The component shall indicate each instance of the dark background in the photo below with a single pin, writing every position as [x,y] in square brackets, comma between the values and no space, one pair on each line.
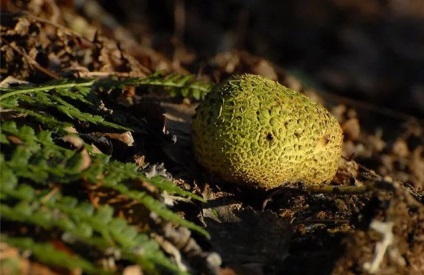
[367,50]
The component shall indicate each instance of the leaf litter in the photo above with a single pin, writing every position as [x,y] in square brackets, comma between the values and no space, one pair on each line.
[379,231]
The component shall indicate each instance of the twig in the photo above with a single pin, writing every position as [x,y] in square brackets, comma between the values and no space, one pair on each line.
[33,63]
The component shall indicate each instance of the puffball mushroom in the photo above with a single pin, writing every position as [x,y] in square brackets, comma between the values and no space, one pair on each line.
[253,131]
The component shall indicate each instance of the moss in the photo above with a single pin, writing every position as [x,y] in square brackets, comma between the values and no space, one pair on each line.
[252,130]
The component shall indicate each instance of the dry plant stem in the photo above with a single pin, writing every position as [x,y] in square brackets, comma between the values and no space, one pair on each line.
[378,182]
[319,189]
[56,25]
[325,189]
[103,74]
[373,182]
[34,63]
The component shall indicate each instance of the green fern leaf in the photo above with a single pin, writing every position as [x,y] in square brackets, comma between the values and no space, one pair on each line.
[41,179]
[47,254]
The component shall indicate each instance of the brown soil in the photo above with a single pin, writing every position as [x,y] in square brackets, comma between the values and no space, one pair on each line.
[362,59]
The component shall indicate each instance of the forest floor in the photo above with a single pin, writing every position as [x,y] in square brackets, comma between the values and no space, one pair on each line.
[297,231]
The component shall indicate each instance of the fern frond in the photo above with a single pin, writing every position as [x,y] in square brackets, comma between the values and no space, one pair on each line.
[156,207]
[174,84]
[61,85]
[46,253]
[40,180]
[88,226]
[64,166]
[36,158]
[54,96]
[165,185]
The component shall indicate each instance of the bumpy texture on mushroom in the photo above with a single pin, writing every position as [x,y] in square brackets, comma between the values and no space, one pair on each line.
[252,130]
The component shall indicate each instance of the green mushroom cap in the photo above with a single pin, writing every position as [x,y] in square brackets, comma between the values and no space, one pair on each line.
[254,131]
